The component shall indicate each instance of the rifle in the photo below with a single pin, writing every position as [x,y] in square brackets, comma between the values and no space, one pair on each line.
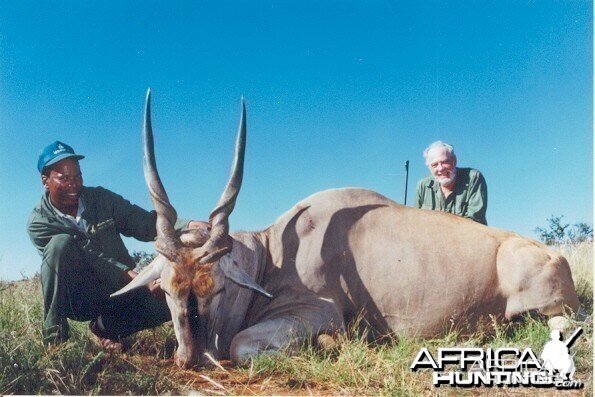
[406,180]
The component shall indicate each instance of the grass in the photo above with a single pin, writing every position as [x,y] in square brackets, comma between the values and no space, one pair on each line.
[580,257]
[356,367]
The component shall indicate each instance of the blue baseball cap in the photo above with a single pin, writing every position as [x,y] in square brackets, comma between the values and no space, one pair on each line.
[55,152]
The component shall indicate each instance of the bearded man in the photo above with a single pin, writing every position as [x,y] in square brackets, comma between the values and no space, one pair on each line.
[76,230]
[460,191]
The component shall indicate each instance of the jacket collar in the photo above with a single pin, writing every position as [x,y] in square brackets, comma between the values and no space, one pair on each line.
[48,211]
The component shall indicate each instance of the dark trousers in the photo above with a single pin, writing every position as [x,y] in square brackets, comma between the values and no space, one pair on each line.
[73,288]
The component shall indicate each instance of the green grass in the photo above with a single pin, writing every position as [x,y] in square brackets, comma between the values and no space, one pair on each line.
[78,366]
[356,367]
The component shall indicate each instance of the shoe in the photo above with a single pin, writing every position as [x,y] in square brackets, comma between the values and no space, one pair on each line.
[107,344]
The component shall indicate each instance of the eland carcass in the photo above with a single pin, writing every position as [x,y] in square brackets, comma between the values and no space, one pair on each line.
[334,256]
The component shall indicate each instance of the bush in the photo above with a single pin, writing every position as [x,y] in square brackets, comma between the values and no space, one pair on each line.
[142,259]
[557,233]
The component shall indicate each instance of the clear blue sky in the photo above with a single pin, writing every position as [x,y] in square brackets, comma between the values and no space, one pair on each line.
[338,94]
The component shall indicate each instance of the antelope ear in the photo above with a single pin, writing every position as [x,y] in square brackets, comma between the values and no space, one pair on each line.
[149,274]
[232,271]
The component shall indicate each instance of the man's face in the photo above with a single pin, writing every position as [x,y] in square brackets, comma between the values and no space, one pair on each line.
[64,183]
[442,166]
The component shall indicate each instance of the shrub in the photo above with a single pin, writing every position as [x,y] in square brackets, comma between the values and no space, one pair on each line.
[557,233]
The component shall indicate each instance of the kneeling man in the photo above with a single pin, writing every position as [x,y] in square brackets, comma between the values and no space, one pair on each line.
[76,230]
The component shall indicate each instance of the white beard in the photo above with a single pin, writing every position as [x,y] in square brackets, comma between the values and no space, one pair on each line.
[443,180]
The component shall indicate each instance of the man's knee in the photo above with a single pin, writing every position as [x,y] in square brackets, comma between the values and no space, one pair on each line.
[61,246]
[61,250]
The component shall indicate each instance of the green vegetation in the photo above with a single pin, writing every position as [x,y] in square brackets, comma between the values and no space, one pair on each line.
[356,367]
[142,259]
[557,232]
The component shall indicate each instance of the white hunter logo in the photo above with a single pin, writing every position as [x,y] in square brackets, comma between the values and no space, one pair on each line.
[60,149]
[504,366]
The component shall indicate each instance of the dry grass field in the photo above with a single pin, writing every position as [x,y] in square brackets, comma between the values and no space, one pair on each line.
[355,368]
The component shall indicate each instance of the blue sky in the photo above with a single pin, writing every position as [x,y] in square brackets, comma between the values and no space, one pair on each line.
[338,94]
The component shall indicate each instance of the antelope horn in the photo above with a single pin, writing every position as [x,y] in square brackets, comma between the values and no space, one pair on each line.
[149,274]
[166,214]
[218,244]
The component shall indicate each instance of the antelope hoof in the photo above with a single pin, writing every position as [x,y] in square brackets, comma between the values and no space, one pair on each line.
[183,362]
[326,342]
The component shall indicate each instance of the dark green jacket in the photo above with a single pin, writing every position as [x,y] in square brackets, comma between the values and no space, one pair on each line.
[108,215]
[468,199]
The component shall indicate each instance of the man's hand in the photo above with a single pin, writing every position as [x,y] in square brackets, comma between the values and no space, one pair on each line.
[155,289]
[129,275]
[154,286]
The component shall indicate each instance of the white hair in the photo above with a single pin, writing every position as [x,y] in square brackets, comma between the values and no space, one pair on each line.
[439,145]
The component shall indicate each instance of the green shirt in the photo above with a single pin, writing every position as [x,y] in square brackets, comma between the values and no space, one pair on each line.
[107,215]
[469,198]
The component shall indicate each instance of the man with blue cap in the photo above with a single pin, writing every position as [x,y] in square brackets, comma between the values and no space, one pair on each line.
[76,230]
